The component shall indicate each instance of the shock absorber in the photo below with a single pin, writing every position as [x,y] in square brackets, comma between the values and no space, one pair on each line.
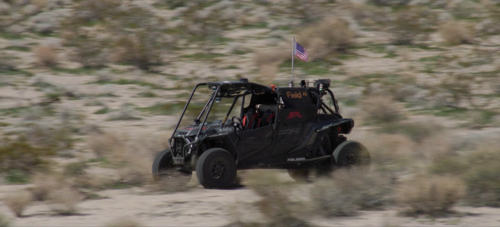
[321,149]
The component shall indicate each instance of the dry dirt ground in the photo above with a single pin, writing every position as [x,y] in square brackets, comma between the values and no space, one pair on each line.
[355,78]
[201,207]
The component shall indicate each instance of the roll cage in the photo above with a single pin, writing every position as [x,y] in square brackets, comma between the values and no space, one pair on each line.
[283,98]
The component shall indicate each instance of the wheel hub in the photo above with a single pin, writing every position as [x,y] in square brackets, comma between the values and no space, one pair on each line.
[217,170]
[351,159]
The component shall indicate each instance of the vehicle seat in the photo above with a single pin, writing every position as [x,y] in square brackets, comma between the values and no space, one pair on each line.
[267,118]
[250,119]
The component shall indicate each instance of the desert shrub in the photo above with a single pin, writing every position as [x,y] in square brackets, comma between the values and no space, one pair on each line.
[124,222]
[43,185]
[19,154]
[430,195]
[63,201]
[367,14]
[305,10]
[104,145]
[417,131]
[350,191]
[329,36]
[46,55]
[4,222]
[88,50]
[449,165]
[86,11]
[483,187]
[54,138]
[171,4]
[455,33]
[390,2]
[381,109]
[18,201]
[390,154]
[456,90]
[125,113]
[275,201]
[142,49]
[270,57]
[205,24]
[410,24]
[75,169]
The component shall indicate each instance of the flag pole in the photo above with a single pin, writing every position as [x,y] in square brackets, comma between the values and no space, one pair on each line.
[293,56]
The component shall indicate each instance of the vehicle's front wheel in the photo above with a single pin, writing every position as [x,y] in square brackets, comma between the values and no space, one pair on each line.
[351,154]
[216,168]
[164,169]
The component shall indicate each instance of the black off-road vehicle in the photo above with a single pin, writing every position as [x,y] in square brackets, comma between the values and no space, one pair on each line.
[279,127]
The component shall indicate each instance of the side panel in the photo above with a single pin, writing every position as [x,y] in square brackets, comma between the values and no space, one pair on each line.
[256,145]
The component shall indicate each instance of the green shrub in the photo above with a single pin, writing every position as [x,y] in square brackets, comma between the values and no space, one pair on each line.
[20,155]
[483,186]
[75,169]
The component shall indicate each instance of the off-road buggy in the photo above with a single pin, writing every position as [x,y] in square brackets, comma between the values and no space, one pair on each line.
[289,128]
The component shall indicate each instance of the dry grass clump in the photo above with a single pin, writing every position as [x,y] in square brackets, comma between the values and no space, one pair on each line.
[275,204]
[270,57]
[63,201]
[390,154]
[430,195]
[483,186]
[350,191]
[455,33]
[46,55]
[381,109]
[18,201]
[133,157]
[329,36]
[44,184]
[103,145]
[142,49]
[417,131]
[367,14]
[124,222]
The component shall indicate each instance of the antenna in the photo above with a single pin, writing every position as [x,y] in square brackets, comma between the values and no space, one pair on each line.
[293,56]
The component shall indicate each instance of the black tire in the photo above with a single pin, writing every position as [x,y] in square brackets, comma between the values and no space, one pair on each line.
[164,169]
[216,168]
[351,154]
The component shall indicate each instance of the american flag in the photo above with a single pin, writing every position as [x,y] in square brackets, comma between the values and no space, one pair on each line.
[300,52]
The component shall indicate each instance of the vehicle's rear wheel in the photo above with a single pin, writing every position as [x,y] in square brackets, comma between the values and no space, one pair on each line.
[351,154]
[164,169]
[216,168]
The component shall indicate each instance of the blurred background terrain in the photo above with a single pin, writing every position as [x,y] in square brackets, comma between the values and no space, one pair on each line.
[90,91]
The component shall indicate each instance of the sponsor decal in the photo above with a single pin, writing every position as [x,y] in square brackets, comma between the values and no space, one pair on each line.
[294,114]
[296,159]
[295,95]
